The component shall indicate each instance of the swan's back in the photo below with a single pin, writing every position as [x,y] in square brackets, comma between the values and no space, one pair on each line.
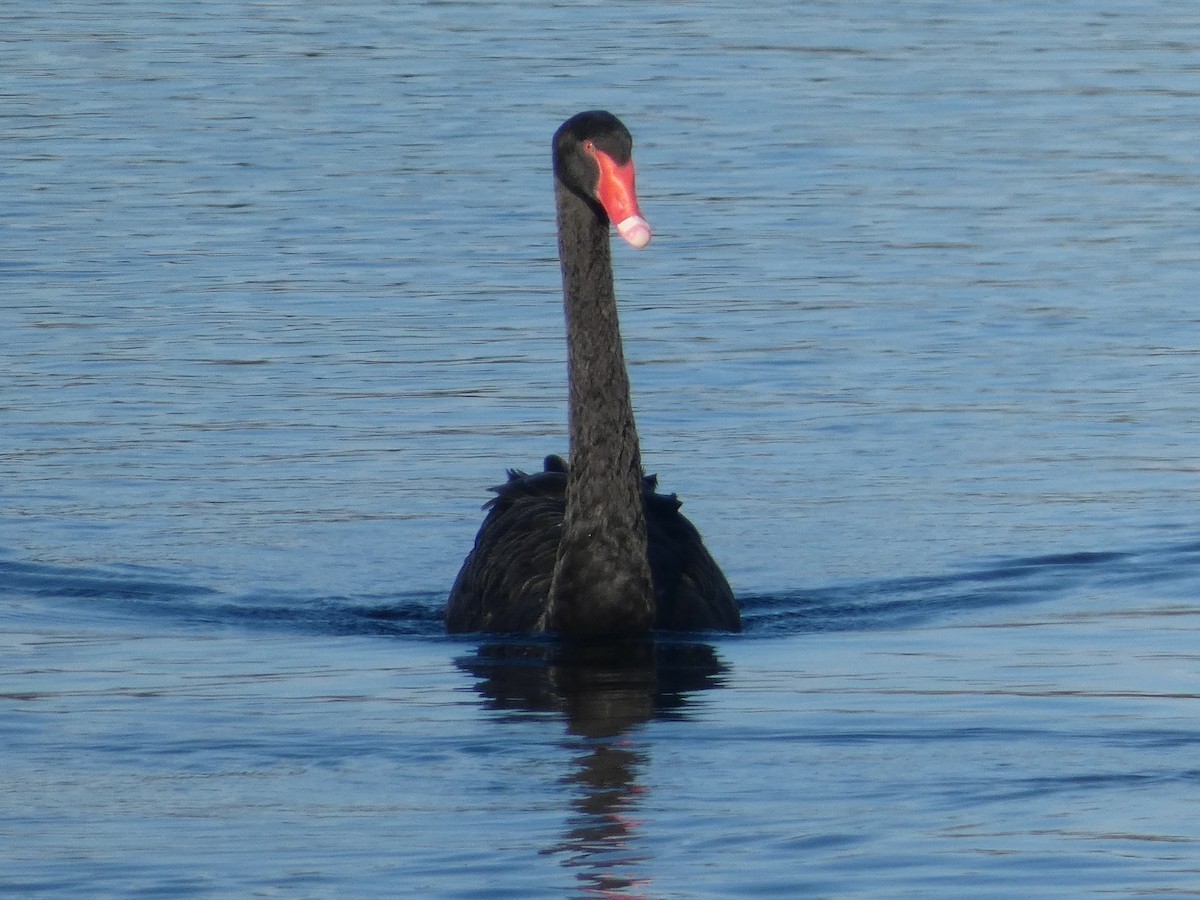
[504,584]
[690,589]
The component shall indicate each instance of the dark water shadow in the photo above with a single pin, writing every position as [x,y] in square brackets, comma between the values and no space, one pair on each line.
[603,693]
[600,690]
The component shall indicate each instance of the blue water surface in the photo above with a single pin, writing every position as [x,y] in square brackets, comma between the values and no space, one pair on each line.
[916,342]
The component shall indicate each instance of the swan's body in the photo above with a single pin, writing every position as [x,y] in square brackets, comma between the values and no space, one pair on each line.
[590,550]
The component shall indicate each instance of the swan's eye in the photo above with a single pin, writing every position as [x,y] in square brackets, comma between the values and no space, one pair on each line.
[589,148]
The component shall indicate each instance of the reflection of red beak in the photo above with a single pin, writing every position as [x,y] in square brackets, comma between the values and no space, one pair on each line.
[616,194]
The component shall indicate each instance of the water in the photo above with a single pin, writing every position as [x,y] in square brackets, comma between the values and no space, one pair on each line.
[916,343]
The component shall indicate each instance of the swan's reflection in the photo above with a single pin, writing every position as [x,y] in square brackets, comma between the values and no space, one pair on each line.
[602,691]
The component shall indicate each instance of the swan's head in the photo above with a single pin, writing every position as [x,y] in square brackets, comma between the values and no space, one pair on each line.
[593,157]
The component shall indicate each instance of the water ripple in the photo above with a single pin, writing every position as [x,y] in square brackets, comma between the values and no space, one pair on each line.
[858,606]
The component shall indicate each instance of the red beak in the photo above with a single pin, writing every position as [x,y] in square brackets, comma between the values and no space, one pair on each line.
[616,194]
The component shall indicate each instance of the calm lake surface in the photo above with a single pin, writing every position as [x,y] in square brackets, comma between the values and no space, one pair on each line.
[917,343]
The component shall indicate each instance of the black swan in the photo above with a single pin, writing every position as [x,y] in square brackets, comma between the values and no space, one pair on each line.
[590,550]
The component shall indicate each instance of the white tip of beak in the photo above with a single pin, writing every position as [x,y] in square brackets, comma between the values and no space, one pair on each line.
[636,231]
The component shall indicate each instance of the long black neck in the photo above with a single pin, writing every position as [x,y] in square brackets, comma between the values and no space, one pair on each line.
[601,583]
